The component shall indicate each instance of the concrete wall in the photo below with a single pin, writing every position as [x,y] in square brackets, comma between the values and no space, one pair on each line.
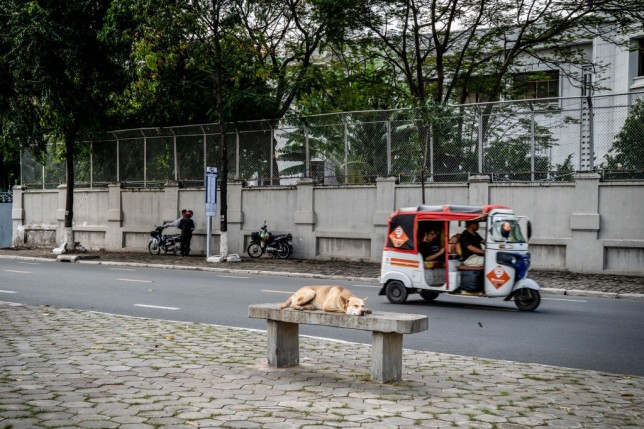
[586,226]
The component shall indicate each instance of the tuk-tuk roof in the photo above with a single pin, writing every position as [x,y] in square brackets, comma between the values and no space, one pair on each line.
[447,212]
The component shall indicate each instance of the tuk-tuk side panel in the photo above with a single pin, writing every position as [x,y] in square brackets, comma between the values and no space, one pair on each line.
[401,234]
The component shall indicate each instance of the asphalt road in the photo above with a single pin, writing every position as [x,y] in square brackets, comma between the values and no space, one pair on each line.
[577,332]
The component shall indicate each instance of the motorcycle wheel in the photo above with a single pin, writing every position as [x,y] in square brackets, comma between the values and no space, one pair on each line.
[254,250]
[527,299]
[153,247]
[284,251]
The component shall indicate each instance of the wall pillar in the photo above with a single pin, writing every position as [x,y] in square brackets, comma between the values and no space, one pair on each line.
[18,217]
[60,215]
[114,233]
[236,242]
[479,190]
[170,210]
[385,205]
[585,253]
[304,239]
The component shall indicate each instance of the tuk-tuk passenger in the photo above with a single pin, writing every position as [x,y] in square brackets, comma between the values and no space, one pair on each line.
[471,245]
[430,248]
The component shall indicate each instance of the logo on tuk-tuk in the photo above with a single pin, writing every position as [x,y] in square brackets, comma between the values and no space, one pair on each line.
[398,236]
[498,277]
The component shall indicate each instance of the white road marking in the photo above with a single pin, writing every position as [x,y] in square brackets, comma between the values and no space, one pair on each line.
[123,269]
[20,272]
[276,291]
[561,299]
[30,263]
[371,286]
[136,281]
[234,277]
[156,306]
[8,291]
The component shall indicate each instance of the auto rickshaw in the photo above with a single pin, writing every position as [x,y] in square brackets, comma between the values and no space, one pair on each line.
[506,257]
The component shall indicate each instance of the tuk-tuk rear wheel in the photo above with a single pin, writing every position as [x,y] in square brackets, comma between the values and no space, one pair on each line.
[429,295]
[396,292]
[527,299]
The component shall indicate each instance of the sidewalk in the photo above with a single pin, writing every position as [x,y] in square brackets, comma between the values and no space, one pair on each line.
[63,368]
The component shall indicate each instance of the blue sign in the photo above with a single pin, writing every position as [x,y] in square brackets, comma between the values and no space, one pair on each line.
[211,191]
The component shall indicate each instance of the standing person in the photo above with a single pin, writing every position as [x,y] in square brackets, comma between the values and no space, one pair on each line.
[175,224]
[471,245]
[186,225]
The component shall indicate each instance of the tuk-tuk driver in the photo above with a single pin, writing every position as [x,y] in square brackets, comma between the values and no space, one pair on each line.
[430,248]
[471,245]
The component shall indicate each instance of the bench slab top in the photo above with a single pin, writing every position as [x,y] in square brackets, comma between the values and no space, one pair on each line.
[378,321]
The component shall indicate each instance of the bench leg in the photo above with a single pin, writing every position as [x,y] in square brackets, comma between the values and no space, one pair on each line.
[283,343]
[386,356]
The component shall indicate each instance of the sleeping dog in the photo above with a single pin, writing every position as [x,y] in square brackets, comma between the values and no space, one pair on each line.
[335,299]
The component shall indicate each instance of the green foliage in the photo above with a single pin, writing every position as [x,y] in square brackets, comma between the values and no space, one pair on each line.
[627,152]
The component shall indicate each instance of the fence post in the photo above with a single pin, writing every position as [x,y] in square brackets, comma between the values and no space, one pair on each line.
[346,153]
[532,145]
[237,139]
[431,153]
[272,154]
[174,155]
[480,139]
[388,143]
[307,154]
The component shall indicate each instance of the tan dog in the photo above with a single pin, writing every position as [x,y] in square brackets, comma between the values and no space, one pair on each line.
[335,299]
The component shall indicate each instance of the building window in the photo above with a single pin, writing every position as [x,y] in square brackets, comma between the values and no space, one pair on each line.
[542,84]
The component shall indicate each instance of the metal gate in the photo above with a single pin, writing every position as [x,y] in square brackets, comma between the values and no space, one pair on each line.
[6,228]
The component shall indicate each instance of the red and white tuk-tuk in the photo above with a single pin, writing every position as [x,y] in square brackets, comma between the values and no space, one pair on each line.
[504,273]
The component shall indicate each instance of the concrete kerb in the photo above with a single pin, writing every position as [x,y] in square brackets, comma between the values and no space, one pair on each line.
[553,291]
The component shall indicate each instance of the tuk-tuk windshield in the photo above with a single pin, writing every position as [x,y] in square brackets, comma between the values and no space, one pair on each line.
[507,231]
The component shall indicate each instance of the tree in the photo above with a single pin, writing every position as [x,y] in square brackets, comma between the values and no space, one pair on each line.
[627,152]
[58,63]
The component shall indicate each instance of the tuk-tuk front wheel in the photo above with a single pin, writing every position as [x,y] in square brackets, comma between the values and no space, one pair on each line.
[396,292]
[527,299]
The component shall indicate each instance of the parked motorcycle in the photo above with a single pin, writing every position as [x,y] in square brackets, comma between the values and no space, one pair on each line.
[280,245]
[169,243]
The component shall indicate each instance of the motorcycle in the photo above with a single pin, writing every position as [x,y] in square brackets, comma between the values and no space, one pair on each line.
[280,245]
[169,243]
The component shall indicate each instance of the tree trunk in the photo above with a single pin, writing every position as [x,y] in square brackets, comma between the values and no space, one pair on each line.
[70,139]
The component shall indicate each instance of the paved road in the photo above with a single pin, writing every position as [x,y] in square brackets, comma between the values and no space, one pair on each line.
[577,332]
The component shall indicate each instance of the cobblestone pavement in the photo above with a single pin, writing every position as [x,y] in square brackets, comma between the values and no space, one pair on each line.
[62,368]
[560,281]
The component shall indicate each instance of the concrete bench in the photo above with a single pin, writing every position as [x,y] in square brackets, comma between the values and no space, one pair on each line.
[386,338]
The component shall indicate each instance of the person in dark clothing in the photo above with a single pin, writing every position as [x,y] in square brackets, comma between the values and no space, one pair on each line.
[186,225]
[471,245]
[430,248]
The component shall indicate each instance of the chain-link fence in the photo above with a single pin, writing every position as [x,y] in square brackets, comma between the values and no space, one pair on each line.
[537,140]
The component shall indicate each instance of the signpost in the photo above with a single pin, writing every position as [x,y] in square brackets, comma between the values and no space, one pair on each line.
[211,203]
